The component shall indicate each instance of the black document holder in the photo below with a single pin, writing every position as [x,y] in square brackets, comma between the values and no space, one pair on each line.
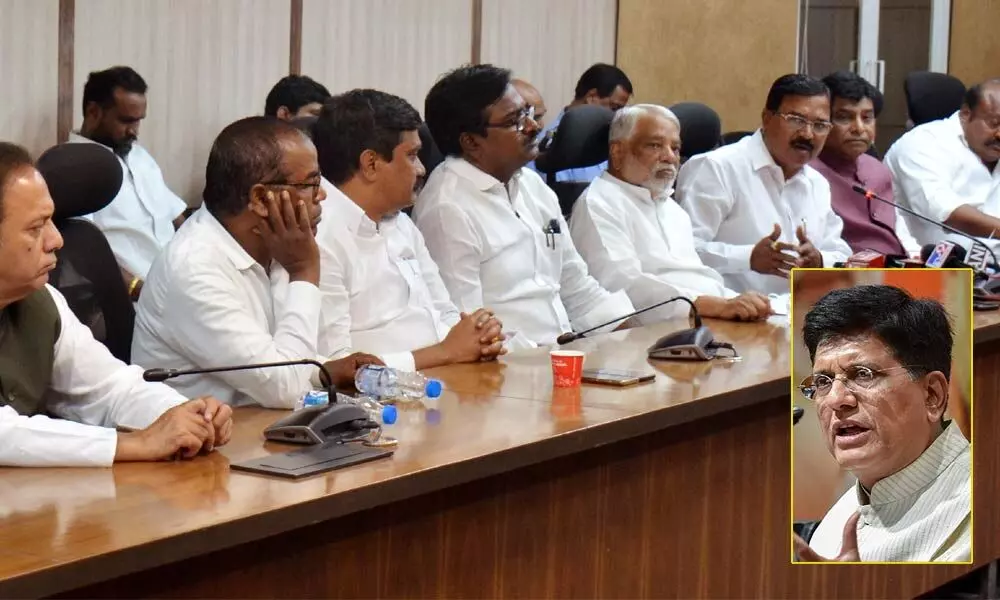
[312,460]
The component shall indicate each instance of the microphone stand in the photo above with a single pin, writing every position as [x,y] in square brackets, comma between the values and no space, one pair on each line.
[158,375]
[571,336]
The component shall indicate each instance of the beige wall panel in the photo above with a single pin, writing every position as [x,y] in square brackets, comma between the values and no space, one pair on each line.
[29,41]
[724,53]
[549,42]
[207,63]
[975,44]
[397,46]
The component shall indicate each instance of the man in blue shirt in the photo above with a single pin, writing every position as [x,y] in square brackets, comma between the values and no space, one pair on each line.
[602,84]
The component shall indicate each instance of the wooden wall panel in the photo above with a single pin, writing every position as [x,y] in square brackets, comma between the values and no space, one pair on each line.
[29,36]
[549,42]
[974,55]
[207,65]
[724,53]
[397,47]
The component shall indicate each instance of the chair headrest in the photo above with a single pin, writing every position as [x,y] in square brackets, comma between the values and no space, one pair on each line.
[932,96]
[580,141]
[82,178]
[701,128]
[429,153]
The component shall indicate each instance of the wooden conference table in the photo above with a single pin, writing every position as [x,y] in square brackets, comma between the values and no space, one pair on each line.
[679,488]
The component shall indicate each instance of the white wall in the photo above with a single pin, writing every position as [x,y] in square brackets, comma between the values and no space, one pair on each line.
[29,43]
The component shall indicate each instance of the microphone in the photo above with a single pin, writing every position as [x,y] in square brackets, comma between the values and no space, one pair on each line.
[975,258]
[158,375]
[570,336]
[943,255]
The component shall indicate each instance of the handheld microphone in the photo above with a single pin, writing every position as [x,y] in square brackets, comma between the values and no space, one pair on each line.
[943,255]
[158,375]
[572,336]
[975,258]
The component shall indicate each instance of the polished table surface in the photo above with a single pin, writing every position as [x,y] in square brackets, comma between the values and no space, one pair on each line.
[68,528]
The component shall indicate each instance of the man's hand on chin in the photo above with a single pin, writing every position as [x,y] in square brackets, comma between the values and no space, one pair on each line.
[848,546]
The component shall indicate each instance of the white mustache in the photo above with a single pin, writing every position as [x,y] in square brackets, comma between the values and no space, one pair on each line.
[669,168]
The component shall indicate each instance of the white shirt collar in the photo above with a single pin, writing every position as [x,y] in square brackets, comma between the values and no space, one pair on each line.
[225,242]
[352,216]
[481,179]
[637,192]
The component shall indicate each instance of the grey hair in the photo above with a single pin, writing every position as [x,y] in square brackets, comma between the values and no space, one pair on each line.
[623,123]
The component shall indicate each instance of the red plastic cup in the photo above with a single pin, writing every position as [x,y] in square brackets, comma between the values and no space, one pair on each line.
[567,367]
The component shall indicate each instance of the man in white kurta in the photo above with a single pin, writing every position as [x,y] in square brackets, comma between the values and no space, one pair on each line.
[756,207]
[947,170]
[381,292]
[634,236]
[492,226]
[62,393]
[142,218]
[881,399]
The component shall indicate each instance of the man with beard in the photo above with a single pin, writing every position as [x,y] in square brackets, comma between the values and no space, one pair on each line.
[757,208]
[144,215]
[948,170]
[633,235]
[381,292]
[239,284]
[868,223]
[493,227]
[881,363]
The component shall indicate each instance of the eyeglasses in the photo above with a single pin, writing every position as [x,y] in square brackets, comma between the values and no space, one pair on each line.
[798,123]
[519,122]
[847,120]
[857,378]
[298,185]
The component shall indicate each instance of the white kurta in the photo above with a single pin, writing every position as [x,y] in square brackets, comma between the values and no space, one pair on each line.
[734,196]
[643,245]
[934,172]
[921,513]
[140,220]
[489,242]
[382,293]
[93,392]
[207,303]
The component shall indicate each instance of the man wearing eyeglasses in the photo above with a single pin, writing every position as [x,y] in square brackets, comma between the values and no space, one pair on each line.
[757,208]
[948,170]
[239,284]
[868,223]
[881,366]
[492,226]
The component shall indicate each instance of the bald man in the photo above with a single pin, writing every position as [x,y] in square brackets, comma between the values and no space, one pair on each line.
[532,97]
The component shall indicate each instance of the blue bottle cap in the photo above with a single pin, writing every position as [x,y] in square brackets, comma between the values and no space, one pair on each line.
[389,414]
[433,388]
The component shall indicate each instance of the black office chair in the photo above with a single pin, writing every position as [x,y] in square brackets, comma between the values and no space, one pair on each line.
[731,137]
[580,141]
[932,96]
[429,153]
[82,179]
[701,128]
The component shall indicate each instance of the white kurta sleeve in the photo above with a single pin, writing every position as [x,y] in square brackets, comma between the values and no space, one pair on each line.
[920,176]
[455,247]
[702,193]
[93,392]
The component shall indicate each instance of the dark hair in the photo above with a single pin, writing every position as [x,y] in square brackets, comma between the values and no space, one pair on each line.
[244,154]
[100,86]
[293,92]
[917,331]
[357,121]
[604,78]
[974,95]
[853,87]
[794,84]
[457,103]
[12,158]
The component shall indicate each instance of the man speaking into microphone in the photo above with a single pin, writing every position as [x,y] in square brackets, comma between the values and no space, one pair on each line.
[881,365]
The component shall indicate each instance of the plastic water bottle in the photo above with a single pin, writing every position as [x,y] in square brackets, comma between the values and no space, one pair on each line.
[312,398]
[378,412]
[386,383]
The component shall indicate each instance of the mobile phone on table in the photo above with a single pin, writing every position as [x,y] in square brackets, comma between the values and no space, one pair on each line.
[620,378]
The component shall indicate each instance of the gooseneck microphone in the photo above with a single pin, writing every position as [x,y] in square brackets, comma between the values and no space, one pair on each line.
[572,336]
[157,375]
[975,242]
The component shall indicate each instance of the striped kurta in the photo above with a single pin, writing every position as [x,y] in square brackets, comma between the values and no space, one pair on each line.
[919,514]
